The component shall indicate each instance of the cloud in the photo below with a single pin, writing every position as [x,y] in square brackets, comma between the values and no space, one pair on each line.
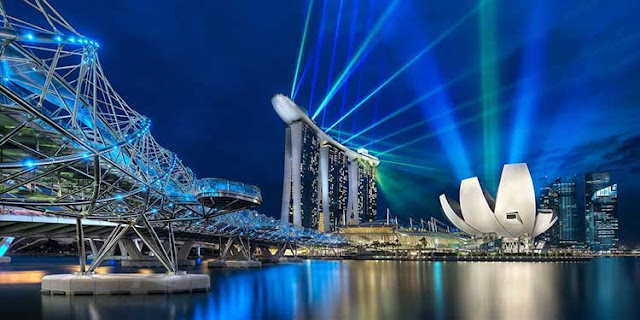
[613,153]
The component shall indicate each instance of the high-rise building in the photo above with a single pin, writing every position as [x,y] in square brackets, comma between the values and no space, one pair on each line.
[338,187]
[561,196]
[367,192]
[325,183]
[601,211]
[549,202]
[310,157]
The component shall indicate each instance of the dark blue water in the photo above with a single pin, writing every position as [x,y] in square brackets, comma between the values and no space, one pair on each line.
[605,288]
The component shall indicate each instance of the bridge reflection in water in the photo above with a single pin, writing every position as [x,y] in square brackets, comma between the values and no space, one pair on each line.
[598,289]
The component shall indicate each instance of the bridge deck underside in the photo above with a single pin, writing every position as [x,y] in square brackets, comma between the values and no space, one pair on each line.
[65,228]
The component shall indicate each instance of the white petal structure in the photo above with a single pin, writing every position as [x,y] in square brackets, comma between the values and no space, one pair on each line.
[453,216]
[546,218]
[513,214]
[516,200]
[476,210]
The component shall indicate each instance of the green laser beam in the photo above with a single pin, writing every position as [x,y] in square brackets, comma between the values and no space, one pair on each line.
[402,158]
[464,105]
[404,108]
[347,70]
[300,52]
[410,165]
[359,140]
[433,134]
[489,83]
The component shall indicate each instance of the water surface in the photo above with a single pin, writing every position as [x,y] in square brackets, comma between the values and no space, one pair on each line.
[605,288]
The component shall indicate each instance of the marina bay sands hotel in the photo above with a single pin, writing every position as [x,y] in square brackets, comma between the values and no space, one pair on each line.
[326,184]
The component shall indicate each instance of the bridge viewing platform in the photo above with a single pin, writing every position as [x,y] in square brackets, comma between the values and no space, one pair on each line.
[227,195]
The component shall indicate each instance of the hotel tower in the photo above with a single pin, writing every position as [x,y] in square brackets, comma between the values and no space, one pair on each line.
[325,183]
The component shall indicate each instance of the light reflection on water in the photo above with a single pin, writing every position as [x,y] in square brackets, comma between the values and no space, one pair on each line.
[21,277]
[508,290]
[34,276]
[603,288]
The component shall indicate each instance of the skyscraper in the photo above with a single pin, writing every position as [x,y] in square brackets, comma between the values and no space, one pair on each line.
[549,201]
[338,187]
[325,183]
[601,211]
[310,157]
[561,196]
[367,191]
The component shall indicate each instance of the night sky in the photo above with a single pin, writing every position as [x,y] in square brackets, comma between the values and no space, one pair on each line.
[555,84]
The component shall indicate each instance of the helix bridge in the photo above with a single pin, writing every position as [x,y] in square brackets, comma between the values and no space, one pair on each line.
[71,146]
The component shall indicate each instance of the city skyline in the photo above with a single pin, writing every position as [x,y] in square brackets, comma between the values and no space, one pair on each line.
[587,218]
[574,98]
[235,160]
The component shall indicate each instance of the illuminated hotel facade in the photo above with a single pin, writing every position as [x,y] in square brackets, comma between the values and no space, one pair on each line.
[325,184]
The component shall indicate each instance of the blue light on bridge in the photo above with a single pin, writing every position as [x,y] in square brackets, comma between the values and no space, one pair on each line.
[29,36]
[119,197]
[29,163]
[5,246]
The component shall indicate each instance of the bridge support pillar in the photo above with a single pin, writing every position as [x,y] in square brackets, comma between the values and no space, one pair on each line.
[183,253]
[82,253]
[235,254]
[92,245]
[230,249]
[279,256]
[86,282]
[131,249]
[150,239]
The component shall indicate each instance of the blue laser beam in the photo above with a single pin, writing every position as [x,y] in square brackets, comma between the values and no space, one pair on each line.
[535,77]
[352,34]
[533,61]
[333,53]
[347,70]
[317,56]
[406,66]
[300,52]
[304,73]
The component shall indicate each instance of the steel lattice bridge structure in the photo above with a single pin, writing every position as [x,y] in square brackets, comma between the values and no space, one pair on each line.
[71,146]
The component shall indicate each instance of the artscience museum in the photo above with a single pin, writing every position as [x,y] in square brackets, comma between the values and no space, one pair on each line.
[511,217]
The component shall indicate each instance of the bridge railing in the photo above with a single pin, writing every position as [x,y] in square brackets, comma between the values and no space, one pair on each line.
[249,223]
[211,187]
